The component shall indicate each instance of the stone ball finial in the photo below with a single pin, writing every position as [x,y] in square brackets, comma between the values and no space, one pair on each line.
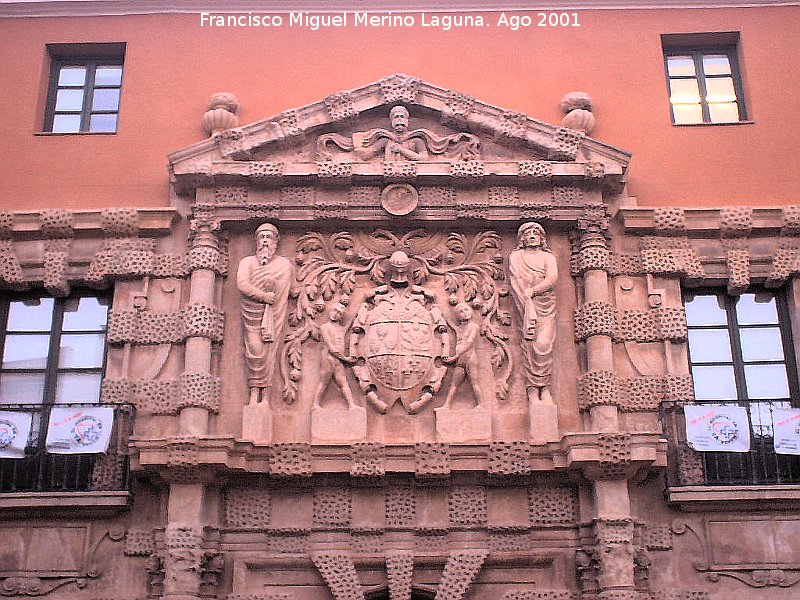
[577,109]
[222,113]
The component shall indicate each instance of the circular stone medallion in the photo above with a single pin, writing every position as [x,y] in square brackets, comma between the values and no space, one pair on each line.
[399,199]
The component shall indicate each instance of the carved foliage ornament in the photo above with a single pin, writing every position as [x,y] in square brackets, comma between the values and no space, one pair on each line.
[399,334]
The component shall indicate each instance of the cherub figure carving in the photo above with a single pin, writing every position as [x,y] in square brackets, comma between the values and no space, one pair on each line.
[465,359]
[333,361]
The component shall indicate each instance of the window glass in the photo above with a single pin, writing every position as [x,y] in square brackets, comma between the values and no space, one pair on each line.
[680,66]
[83,350]
[766,381]
[72,76]
[69,99]
[66,123]
[687,113]
[706,310]
[30,315]
[716,64]
[684,91]
[108,76]
[106,99]
[726,112]
[25,351]
[761,344]
[709,345]
[756,310]
[85,314]
[78,387]
[105,123]
[720,89]
[21,388]
[714,382]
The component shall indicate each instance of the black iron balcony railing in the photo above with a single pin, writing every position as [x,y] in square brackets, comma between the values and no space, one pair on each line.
[761,465]
[40,471]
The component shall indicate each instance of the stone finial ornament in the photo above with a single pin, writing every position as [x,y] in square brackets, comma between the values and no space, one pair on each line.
[222,113]
[577,109]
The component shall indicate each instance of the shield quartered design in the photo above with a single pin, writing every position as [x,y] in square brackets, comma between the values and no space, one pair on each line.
[400,344]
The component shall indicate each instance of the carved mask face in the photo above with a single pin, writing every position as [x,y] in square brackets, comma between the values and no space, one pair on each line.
[399,120]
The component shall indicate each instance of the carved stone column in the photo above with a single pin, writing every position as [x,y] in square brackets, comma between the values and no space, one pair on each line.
[595,318]
[203,323]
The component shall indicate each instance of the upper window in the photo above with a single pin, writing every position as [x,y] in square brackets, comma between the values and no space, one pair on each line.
[741,352]
[84,91]
[705,84]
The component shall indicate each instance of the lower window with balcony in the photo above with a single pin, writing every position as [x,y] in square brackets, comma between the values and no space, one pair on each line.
[55,437]
[743,368]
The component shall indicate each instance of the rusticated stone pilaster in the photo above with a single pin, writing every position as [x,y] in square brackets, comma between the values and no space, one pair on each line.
[339,572]
[247,508]
[399,571]
[460,571]
[182,560]
[431,459]
[290,460]
[367,460]
[615,552]
[594,318]
[598,388]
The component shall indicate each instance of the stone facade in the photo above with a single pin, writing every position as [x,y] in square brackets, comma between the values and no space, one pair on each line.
[479,353]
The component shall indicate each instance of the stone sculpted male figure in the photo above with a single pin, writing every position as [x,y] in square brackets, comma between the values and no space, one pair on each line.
[533,275]
[333,358]
[465,359]
[264,281]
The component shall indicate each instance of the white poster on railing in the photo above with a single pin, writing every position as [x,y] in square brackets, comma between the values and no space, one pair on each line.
[15,429]
[79,430]
[786,423]
[712,428]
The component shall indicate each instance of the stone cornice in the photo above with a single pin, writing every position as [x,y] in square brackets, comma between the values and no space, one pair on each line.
[89,8]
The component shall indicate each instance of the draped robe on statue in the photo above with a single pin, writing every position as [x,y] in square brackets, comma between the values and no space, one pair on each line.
[538,314]
[264,324]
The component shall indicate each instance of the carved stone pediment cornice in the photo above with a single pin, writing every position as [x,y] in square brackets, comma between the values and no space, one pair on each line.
[346,139]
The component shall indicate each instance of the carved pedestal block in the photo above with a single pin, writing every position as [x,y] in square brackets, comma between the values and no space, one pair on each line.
[510,426]
[473,426]
[543,423]
[257,424]
[331,425]
[399,429]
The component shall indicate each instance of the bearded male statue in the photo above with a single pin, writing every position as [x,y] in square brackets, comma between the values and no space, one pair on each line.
[264,281]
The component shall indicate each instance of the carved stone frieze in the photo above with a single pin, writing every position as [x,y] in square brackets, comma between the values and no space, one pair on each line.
[457,107]
[139,542]
[509,458]
[399,88]
[400,505]
[539,595]
[147,327]
[467,506]
[566,144]
[459,572]
[290,460]
[735,221]
[340,106]
[670,256]
[657,324]
[431,459]
[552,505]
[247,508]
[332,507]
[367,459]
[669,220]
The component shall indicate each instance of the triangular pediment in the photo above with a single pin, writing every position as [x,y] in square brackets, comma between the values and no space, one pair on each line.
[353,128]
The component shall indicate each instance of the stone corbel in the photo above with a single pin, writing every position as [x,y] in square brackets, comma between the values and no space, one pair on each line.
[339,572]
[460,571]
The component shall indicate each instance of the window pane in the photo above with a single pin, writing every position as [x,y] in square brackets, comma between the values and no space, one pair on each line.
[78,387]
[726,112]
[709,345]
[72,76]
[81,350]
[716,64]
[108,76]
[680,65]
[684,91]
[720,89]
[752,309]
[714,383]
[26,351]
[21,388]
[103,123]
[31,315]
[705,310]
[66,123]
[684,114]
[761,344]
[85,314]
[766,381]
[69,99]
[106,99]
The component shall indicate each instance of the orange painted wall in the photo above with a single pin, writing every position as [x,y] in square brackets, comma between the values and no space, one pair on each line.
[173,64]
